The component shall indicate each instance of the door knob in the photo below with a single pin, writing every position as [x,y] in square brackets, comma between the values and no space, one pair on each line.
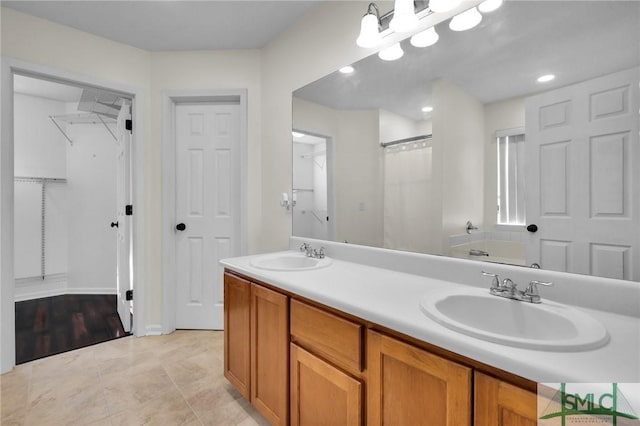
[114,224]
[532,228]
[181,227]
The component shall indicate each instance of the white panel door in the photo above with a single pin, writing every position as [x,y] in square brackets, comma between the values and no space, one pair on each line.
[123,198]
[207,205]
[583,174]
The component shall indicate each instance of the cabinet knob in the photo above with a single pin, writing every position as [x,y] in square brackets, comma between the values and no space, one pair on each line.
[532,228]
[181,227]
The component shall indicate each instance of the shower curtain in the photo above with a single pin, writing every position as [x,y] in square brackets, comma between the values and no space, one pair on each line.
[407,194]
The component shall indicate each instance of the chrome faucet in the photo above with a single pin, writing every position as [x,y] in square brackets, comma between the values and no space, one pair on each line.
[311,252]
[509,289]
[319,253]
[307,249]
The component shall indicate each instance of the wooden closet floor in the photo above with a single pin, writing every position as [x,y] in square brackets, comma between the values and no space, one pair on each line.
[58,324]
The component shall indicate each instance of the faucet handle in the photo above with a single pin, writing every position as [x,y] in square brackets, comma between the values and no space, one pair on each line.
[318,253]
[495,283]
[532,288]
[304,247]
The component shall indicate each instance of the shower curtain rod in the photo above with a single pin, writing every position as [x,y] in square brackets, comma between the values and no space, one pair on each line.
[411,139]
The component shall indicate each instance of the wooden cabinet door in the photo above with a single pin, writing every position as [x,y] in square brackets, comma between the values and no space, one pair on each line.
[498,403]
[409,386]
[322,395]
[270,354]
[237,359]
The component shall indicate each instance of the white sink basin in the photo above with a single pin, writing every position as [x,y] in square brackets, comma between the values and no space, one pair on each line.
[547,326]
[289,262]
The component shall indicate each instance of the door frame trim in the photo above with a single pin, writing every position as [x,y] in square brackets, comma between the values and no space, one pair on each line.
[10,66]
[170,98]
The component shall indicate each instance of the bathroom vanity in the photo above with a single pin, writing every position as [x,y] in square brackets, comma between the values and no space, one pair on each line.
[347,343]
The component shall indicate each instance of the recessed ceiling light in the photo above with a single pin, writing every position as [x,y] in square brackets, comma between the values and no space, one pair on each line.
[297,134]
[545,78]
[346,70]
[489,5]
[427,109]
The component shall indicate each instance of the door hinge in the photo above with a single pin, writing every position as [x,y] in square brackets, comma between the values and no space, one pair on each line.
[128,210]
[128,295]
[128,124]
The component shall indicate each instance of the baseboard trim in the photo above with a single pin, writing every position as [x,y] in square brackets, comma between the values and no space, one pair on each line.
[153,330]
[30,288]
[91,290]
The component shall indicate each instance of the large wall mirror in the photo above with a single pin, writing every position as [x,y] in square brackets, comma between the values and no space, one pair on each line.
[457,149]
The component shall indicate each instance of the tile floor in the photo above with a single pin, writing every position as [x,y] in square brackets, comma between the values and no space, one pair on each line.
[175,379]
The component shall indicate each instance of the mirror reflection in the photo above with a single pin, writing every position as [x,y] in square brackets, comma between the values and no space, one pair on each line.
[514,142]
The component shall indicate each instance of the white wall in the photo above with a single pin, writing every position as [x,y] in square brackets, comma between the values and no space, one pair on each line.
[458,129]
[500,115]
[39,146]
[394,127]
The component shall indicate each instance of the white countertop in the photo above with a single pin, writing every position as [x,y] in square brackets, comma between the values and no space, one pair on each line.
[391,299]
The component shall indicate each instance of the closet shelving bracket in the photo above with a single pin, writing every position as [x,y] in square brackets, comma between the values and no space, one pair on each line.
[85,118]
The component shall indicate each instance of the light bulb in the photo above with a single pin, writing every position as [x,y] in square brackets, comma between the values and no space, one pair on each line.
[346,69]
[369,34]
[427,109]
[404,17]
[426,38]
[466,20]
[440,6]
[391,53]
[489,5]
[546,78]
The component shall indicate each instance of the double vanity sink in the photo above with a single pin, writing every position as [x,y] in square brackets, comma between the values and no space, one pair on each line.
[474,312]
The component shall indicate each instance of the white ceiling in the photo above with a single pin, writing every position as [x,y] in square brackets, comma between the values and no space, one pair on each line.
[499,59]
[175,24]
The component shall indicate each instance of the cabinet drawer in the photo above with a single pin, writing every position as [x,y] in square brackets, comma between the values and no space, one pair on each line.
[336,339]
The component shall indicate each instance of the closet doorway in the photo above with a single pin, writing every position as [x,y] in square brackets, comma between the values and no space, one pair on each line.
[312,192]
[72,216]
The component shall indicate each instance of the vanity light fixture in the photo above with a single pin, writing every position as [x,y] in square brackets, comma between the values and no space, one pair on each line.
[404,16]
[440,6]
[489,5]
[391,53]
[466,20]
[370,28]
[346,70]
[426,38]
[427,109]
[297,134]
[546,78]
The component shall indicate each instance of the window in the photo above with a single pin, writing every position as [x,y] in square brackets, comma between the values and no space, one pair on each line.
[511,189]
